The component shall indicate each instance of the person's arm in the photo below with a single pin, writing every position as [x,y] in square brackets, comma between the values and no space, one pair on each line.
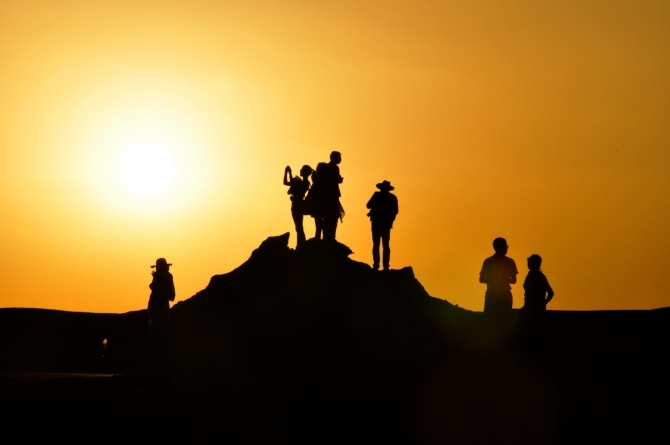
[482,274]
[287,176]
[515,271]
[171,291]
[550,293]
[371,202]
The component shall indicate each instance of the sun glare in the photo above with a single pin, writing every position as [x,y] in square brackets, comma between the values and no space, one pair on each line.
[147,170]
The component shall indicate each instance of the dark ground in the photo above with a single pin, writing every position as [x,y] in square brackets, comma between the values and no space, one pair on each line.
[311,347]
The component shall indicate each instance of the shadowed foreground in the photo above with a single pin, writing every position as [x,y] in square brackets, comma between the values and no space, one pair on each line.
[309,346]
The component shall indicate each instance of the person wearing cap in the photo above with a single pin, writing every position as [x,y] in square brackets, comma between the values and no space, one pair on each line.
[538,292]
[162,293]
[499,273]
[298,187]
[383,210]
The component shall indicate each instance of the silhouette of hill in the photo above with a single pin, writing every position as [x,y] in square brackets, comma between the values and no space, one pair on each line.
[311,346]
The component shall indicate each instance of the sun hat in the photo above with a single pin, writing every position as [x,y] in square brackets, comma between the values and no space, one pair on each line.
[385,185]
[161,262]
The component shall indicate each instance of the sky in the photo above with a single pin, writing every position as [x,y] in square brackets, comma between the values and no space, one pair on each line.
[547,123]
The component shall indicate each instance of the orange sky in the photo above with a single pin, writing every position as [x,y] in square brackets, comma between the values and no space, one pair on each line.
[543,122]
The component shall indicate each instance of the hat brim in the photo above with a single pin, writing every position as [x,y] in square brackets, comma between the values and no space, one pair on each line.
[167,264]
[381,186]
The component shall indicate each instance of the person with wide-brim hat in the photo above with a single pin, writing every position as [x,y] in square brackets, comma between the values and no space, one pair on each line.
[385,186]
[383,207]
[162,293]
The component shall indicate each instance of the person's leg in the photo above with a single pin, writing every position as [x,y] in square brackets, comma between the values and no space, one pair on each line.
[318,222]
[508,302]
[490,302]
[333,228]
[299,228]
[375,248]
[330,227]
[386,238]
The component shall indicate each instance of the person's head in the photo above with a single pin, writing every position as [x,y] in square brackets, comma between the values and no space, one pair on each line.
[500,245]
[534,262]
[336,157]
[385,186]
[305,171]
[162,265]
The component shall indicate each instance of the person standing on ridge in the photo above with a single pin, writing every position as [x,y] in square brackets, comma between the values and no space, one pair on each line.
[162,293]
[298,186]
[538,292]
[383,209]
[329,194]
[498,272]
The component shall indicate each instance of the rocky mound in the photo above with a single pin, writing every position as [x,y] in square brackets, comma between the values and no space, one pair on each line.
[287,313]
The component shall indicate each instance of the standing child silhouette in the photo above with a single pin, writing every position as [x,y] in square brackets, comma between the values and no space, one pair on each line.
[538,292]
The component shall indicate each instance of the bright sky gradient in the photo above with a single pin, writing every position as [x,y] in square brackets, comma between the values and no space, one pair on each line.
[547,123]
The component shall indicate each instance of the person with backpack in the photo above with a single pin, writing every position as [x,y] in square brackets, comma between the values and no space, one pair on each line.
[298,187]
[383,207]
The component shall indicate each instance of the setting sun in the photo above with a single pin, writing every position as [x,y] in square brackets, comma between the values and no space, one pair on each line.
[147,170]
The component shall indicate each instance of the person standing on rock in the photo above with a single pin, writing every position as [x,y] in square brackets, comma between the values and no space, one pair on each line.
[298,187]
[383,209]
[499,273]
[162,293]
[329,194]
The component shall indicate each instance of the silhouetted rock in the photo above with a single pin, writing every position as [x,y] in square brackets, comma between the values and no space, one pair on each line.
[295,312]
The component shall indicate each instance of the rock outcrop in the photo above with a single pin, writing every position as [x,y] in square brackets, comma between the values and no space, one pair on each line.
[288,313]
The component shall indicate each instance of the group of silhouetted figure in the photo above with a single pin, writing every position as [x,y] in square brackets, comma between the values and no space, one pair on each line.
[320,199]
[499,273]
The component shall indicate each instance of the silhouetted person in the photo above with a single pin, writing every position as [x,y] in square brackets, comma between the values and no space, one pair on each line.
[538,292]
[162,293]
[383,209]
[329,194]
[313,203]
[298,187]
[498,272]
